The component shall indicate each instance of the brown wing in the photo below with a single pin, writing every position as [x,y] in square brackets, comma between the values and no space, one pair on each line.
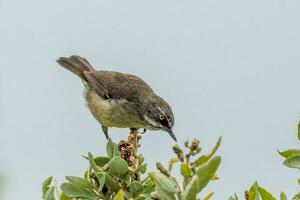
[116,85]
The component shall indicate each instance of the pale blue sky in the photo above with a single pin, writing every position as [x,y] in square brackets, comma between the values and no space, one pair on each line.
[228,68]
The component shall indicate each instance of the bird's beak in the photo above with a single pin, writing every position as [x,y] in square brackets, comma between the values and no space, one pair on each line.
[169,130]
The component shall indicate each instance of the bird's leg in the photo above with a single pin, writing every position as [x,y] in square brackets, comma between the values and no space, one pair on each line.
[105,131]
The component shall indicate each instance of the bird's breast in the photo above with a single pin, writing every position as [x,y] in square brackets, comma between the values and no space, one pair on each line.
[112,112]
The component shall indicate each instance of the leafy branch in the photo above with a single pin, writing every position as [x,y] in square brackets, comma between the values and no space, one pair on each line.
[122,175]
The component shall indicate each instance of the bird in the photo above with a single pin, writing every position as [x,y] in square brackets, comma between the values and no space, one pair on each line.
[120,100]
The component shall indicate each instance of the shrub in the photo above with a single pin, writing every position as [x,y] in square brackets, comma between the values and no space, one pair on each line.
[122,175]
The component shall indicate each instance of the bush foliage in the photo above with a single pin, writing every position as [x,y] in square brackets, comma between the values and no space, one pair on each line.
[122,175]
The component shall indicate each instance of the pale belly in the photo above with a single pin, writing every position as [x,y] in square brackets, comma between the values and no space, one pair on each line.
[113,113]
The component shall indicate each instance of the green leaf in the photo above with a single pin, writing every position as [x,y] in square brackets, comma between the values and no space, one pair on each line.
[79,182]
[128,179]
[163,182]
[143,196]
[118,165]
[233,198]
[191,190]
[142,168]
[92,163]
[86,175]
[163,195]
[149,185]
[185,170]
[56,187]
[299,130]
[74,192]
[186,143]
[112,149]
[62,196]
[164,187]
[127,195]
[264,194]
[111,183]
[289,152]
[253,192]
[116,151]
[141,159]
[283,196]
[204,158]
[292,162]
[208,196]
[101,161]
[46,185]
[135,187]
[207,171]
[296,197]
[119,195]
[101,179]
[49,195]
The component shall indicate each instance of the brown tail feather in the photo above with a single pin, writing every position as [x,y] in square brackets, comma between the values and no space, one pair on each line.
[76,64]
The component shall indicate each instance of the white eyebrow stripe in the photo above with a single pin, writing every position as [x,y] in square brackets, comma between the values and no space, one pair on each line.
[162,112]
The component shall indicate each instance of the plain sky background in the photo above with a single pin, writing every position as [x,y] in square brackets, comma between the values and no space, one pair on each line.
[227,68]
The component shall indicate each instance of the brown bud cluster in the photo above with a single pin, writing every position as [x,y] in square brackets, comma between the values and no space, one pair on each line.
[162,169]
[127,152]
[195,144]
[179,153]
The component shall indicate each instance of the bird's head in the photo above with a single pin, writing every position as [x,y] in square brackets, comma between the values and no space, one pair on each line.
[159,116]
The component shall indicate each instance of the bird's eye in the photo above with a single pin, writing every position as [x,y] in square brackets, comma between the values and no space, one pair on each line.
[161,117]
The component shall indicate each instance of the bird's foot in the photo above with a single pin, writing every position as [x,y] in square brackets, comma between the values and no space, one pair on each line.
[133,130]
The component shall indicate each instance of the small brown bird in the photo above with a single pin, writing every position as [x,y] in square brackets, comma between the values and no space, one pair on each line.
[120,100]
